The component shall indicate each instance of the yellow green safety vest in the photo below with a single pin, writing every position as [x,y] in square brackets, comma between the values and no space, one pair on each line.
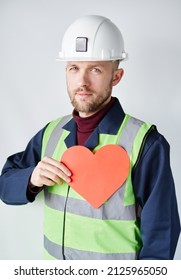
[73,229]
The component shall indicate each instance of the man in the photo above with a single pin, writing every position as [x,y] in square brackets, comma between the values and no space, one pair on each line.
[138,220]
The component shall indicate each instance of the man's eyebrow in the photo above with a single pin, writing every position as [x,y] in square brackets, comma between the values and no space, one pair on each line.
[70,65]
[97,65]
[88,66]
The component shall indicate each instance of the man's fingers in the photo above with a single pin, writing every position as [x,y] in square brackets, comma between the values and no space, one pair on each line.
[57,164]
[49,171]
[52,177]
[57,169]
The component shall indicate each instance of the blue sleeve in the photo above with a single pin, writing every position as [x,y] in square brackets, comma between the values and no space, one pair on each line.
[155,191]
[17,171]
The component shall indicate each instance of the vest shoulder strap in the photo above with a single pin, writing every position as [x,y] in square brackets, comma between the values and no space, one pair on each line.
[54,132]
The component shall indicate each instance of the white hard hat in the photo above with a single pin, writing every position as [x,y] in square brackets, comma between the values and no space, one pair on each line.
[92,38]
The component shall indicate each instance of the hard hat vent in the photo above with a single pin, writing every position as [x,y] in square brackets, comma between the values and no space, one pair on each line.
[81,44]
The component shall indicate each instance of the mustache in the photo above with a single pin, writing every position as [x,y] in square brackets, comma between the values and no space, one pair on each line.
[84,89]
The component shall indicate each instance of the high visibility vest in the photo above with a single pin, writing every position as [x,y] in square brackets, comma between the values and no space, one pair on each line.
[73,229]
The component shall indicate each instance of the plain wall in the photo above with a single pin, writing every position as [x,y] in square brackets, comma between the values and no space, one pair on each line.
[33,89]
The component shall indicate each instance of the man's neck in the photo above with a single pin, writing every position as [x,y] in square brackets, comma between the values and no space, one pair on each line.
[86,125]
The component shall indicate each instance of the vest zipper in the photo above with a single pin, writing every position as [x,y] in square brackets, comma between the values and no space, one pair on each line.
[64,219]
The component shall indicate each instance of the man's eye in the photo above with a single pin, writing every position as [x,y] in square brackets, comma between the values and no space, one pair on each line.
[96,70]
[73,68]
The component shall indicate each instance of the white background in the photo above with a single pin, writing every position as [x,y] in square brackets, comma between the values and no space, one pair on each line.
[33,89]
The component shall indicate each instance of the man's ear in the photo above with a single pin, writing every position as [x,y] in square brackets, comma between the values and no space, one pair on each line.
[117,76]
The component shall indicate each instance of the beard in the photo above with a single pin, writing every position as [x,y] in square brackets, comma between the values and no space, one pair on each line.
[93,103]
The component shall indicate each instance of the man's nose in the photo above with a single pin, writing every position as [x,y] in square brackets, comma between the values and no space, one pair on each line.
[83,79]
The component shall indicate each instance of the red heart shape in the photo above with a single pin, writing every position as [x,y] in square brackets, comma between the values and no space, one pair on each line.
[97,176]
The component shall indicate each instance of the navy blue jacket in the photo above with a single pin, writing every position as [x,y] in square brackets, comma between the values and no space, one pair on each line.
[152,181]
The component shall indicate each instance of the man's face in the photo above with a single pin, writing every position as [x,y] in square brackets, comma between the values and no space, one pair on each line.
[89,84]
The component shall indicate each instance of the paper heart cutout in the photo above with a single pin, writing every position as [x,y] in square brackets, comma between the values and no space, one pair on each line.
[97,176]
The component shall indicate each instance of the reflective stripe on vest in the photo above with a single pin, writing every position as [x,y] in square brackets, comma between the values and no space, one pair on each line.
[57,132]
[114,220]
[56,251]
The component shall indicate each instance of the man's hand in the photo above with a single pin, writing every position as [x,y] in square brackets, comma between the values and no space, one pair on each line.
[48,172]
